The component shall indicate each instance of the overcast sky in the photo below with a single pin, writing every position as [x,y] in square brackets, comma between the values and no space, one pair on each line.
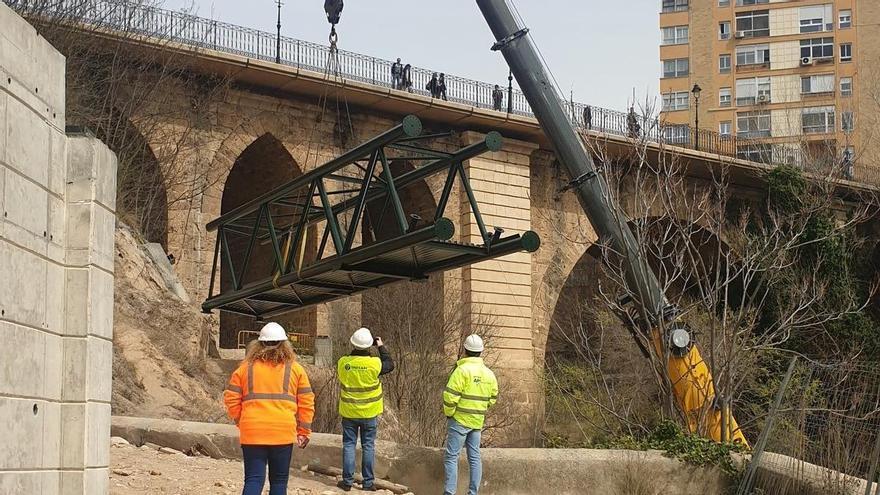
[602,50]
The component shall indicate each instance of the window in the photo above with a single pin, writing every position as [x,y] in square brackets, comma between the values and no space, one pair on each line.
[816,18]
[676,101]
[817,120]
[675,35]
[677,67]
[753,24]
[723,3]
[823,83]
[724,63]
[817,48]
[755,152]
[677,134]
[675,5]
[846,52]
[752,54]
[724,97]
[752,91]
[845,19]
[724,128]
[846,86]
[847,121]
[724,30]
[753,124]
[750,2]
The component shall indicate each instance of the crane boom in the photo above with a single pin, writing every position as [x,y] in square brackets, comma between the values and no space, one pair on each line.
[690,377]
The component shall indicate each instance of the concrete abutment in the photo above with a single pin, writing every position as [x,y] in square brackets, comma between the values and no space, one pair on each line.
[57,194]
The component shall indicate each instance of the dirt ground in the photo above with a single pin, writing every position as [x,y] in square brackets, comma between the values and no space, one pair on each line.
[145,470]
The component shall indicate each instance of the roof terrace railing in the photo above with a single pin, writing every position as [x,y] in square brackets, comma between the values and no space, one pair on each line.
[199,32]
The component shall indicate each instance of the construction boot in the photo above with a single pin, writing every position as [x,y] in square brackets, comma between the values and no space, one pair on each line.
[343,486]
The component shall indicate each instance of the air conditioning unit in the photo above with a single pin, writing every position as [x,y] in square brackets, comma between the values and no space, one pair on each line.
[806,60]
[763,98]
[739,35]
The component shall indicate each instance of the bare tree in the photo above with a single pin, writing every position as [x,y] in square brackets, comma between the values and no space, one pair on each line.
[746,267]
[135,88]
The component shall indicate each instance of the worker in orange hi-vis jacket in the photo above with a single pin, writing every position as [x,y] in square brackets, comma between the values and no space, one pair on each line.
[270,399]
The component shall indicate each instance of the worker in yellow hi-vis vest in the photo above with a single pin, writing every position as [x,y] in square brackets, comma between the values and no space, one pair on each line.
[360,404]
[471,390]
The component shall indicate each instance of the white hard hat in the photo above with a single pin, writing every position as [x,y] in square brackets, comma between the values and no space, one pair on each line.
[272,332]
[473,343]
[362,339]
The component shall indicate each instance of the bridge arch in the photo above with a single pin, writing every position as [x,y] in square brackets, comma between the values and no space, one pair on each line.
[580,330]
[142,197]
[260,167]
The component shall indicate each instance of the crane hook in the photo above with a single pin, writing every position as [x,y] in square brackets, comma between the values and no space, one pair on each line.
[334,10]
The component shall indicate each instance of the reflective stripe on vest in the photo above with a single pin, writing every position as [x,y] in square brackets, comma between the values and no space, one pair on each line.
[360,394]
[284,396]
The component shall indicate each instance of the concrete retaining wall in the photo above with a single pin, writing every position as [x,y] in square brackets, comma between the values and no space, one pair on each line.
[506,471]
[57,195]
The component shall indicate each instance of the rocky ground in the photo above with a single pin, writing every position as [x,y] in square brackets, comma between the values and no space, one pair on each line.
[148,470]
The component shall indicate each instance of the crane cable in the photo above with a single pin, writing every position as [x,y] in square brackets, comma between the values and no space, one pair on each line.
[331,70]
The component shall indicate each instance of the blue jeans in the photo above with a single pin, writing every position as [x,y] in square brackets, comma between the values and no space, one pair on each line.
[350,429]
[458,436]
[256,458]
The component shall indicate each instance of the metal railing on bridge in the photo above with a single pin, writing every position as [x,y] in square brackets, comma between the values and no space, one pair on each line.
[199,32]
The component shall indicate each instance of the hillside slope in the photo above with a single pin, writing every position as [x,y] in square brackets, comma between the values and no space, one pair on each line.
[159,342]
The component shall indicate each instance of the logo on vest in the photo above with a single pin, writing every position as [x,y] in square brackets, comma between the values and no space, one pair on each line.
[477,380]
[347,367]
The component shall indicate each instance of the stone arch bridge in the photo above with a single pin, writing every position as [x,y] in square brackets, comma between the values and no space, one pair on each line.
[274,122]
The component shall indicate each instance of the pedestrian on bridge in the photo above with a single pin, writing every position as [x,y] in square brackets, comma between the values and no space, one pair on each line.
[360,404]
[407,78]
[271,401]
[497,98]
[434,86]
[441,87]
[471,390]
[588,117]
[397,75]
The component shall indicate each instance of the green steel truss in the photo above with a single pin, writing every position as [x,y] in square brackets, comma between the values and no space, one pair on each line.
[333,199]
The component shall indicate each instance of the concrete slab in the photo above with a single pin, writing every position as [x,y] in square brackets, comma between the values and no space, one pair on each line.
[51,441]
[58,163]
[97,435]
[76,308]
[21,425]
[55,281]
[3,127]
[53,355]
[26,205]
[21,482]
[74,369]
[21,299]
[100,371]
[96,480]
[21,373]
[73,435]
[27,142]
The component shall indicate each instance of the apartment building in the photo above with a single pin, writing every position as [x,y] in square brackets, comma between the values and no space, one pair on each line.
[790,80]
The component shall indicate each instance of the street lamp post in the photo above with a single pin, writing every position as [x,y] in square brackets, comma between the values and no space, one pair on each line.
[510,92]
[278,35]
[696,92]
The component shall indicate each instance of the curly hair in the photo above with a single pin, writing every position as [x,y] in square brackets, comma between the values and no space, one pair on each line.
[271,352]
